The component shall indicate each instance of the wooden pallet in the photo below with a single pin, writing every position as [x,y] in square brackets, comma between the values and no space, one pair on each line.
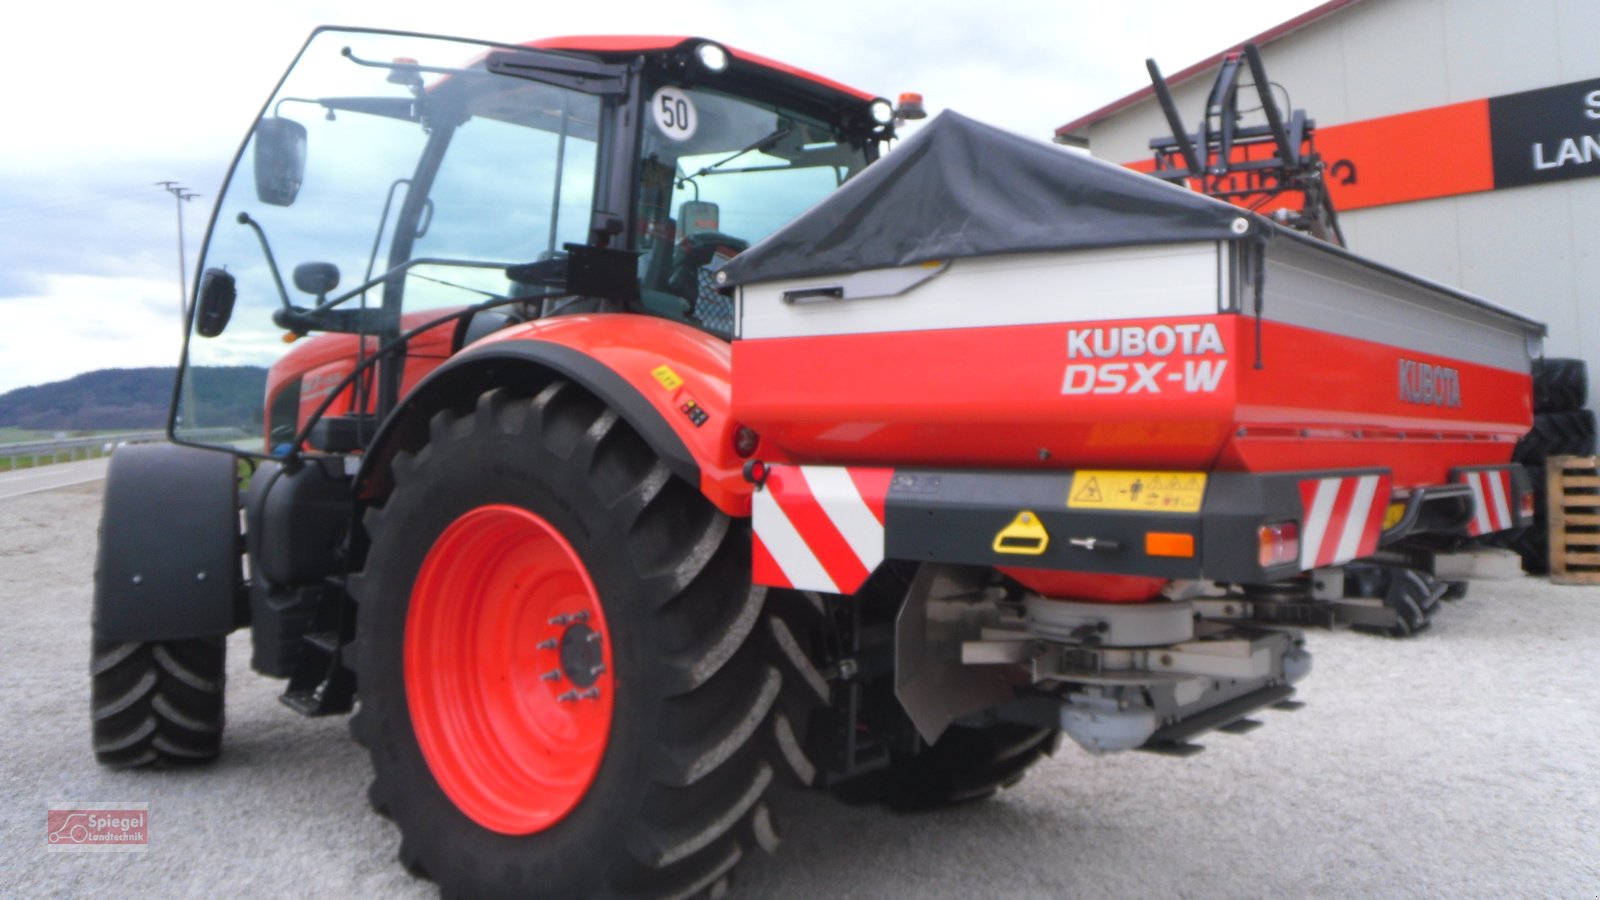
[1574,485]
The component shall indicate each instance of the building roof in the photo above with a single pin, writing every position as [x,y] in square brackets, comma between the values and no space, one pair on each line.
[1266,37]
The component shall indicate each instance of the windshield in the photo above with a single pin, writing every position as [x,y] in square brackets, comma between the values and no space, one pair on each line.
[717,174]
[380,154]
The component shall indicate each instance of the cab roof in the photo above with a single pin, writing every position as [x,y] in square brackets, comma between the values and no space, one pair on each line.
[617,44]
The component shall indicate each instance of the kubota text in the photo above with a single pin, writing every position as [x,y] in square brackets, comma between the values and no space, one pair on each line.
[1187,339]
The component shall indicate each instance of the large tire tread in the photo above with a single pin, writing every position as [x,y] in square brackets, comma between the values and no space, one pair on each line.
[1557,434]
[1560,385]
[793,618]
[157,703]
[703,766]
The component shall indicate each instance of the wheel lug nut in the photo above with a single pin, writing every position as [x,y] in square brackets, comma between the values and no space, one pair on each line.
[597,669]
[589,694]
[568,697]
[549,644]
[593,638]
[552,675]
[560,620]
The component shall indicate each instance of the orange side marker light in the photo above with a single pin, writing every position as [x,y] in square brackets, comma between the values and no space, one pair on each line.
[1161,543]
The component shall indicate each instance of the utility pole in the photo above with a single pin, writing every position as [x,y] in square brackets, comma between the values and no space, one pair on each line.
[180,194]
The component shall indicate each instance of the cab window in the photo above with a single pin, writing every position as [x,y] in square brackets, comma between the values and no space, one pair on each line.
[719,173]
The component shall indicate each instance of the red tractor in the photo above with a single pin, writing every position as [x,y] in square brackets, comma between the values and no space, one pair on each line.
[659,440]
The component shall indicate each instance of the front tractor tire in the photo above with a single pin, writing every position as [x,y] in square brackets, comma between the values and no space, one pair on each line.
[562,683]
[167,591]
[157,703]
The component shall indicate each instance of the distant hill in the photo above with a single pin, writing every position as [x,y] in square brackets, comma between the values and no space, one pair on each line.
[135,399]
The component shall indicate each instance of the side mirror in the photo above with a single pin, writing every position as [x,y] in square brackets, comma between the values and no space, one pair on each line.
[217,294]
[316,278]
[280,160]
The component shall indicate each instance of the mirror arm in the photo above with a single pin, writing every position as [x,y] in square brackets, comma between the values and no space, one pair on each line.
[277,108]
[272,263]
[301,320]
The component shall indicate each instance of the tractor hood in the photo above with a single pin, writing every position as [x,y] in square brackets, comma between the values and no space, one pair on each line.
[960,188]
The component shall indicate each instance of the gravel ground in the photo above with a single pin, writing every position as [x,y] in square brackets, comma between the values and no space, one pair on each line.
[1465,762]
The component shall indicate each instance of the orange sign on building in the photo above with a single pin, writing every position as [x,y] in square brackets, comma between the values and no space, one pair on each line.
[1549,134]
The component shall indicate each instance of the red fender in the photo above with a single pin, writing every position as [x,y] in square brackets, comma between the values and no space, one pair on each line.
[684,376]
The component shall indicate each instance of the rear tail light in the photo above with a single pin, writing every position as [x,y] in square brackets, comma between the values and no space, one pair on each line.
[1525,505]
[745,441]
[1279,543]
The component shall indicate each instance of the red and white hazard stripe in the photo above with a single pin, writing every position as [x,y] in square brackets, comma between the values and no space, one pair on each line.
[1343,518]
[1491,500]
[819,528]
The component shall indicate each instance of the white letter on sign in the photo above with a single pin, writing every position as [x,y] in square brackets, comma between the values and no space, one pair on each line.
[1199,374]
[1113,378]
[1076,373]
[1145,377]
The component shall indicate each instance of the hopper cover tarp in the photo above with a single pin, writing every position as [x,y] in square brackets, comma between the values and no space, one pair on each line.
[962,188]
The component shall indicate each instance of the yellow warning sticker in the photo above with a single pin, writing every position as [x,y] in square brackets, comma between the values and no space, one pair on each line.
[1393,515]
[668,378]
[1179,492]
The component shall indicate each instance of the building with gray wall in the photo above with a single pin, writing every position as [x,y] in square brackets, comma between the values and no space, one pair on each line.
[1472,133]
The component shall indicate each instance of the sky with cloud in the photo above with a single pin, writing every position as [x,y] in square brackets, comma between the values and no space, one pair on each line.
[100,105]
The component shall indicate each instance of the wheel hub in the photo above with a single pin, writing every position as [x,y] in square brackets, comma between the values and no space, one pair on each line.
[582,655]
[508,672]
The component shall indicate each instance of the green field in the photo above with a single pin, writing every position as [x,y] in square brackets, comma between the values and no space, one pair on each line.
[9,435]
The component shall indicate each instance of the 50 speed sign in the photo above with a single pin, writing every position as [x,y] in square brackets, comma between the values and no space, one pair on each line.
[674,113]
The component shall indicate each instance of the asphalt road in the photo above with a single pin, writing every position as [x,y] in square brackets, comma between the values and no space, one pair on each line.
[1465,762]
[18,482]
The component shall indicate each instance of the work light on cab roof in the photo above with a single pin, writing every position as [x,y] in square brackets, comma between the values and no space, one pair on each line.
[713,57]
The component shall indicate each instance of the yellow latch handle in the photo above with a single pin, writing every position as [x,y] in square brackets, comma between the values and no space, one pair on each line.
[1025,536]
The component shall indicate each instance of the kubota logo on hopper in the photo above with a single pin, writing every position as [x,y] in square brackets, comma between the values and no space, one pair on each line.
[1189,339]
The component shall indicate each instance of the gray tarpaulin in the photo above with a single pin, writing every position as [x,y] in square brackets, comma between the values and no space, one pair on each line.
[960,188]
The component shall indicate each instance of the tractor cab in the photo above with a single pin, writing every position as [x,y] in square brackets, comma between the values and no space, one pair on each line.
[402,196]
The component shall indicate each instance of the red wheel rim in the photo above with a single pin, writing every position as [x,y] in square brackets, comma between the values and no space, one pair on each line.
[508,670]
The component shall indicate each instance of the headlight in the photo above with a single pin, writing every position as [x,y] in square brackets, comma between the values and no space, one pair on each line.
[714,58]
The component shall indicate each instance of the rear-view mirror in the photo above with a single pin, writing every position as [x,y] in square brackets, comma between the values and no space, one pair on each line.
[217,294]
[280,160]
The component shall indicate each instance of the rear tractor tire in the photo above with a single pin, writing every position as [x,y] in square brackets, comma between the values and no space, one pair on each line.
[563,684]
[1560,385]
[1411,595]
[965,765]
[157,703]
